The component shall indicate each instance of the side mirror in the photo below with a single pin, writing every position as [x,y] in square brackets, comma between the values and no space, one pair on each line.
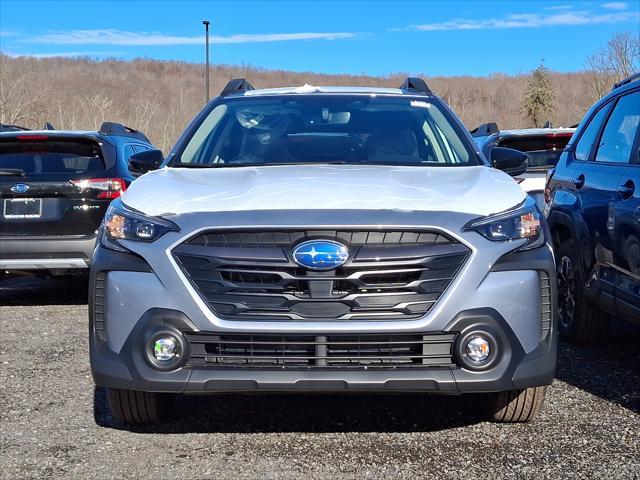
[510,161]
[143,162]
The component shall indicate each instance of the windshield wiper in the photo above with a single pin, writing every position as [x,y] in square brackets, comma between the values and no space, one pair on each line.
[12,172]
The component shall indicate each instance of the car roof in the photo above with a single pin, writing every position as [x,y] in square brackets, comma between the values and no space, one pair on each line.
[70,134]
[534,131]
[320,89]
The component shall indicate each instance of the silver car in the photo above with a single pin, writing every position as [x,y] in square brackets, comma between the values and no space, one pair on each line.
[323,239]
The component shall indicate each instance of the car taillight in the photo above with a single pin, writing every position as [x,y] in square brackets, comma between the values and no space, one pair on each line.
[30,138]
[109,188]
[547,190]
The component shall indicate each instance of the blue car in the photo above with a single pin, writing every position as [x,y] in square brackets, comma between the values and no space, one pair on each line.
[593,208]
[55,187]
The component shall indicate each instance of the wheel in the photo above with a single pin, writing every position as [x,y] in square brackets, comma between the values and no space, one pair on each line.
[515,406]
[632,251]
[578,321]
[130,406]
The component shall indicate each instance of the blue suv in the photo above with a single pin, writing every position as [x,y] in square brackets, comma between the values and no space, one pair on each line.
[55,187]
[593,208]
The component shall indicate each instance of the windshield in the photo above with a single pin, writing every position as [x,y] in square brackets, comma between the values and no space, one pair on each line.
[294,129]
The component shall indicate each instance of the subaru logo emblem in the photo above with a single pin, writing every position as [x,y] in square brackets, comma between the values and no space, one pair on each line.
[19,188]
[320,254]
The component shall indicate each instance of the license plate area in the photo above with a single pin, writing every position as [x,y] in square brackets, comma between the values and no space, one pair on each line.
[22,208]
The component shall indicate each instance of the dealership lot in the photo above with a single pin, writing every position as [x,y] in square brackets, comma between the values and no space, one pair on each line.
[50,428]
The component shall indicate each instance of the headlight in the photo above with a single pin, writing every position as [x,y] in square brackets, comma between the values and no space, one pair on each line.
[120,223]
[522,223]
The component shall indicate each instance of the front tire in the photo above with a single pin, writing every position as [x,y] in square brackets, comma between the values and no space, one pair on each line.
[578,321]
[516,406]
[134,407]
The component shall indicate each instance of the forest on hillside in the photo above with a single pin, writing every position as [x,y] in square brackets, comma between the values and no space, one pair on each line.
[161,97]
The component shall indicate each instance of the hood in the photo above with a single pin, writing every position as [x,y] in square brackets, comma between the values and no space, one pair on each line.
[474,190]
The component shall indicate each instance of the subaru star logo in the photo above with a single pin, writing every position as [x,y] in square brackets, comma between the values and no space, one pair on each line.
[320,254]
[19,188]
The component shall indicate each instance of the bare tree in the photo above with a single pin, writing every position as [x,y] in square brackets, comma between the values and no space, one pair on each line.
[618,59]
[18,103]
[538,98]
[161,97]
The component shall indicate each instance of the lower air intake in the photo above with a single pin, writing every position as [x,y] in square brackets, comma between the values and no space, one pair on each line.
[335,351]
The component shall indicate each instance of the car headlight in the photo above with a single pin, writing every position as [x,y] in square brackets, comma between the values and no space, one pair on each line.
[522,223]
[121,223]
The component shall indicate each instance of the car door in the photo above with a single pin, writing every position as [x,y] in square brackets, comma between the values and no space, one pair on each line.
[624,223]
[609,191]
[593,185]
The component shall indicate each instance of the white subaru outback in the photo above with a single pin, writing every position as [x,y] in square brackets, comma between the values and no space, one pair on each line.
[323,239]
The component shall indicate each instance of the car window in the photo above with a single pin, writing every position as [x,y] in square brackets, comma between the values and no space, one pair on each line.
[51,157]
[588,137]
[327,129]
[619,133]
[542,150]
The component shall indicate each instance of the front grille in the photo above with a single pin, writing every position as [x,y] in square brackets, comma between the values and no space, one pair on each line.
[98,306]
[545,304]
[336,351]
[391,275]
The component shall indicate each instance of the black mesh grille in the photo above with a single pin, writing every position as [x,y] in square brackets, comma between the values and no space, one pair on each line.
[321,351]
[251,276]
[98,306]
[257,239]
[545,304]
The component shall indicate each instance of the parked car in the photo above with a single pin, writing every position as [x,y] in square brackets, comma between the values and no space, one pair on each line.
[324,239]
[594,215]
[55,187]
[543,146]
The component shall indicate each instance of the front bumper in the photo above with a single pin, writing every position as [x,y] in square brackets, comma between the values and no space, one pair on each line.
[129,369]
[46,253]
[132,304]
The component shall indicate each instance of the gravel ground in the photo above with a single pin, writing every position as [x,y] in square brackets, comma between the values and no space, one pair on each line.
[54,424]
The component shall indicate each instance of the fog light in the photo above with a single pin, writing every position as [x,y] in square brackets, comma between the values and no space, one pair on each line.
[478,349]
[165,349]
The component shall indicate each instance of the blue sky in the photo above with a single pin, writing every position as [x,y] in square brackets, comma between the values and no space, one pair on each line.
[374,37]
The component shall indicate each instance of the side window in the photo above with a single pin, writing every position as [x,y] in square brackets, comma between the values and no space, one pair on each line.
[588,137]
[619,134]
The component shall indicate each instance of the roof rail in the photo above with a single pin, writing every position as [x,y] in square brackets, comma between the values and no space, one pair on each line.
[11,128]
[114,128]
[236,85]
[48,126]
[485,129]
[629,79]
[416,84]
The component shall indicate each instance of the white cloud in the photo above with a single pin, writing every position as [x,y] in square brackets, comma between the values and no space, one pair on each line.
[531,20]
[559,7]
[63,54]
[120,37]
[615,6]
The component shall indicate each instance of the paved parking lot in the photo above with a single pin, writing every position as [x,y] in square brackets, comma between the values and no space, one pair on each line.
[53,424]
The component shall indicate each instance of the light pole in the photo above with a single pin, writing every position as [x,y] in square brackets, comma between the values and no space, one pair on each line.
[206,28]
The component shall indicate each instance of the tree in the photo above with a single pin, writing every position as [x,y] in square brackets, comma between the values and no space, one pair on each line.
[538,97]
[617,60]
